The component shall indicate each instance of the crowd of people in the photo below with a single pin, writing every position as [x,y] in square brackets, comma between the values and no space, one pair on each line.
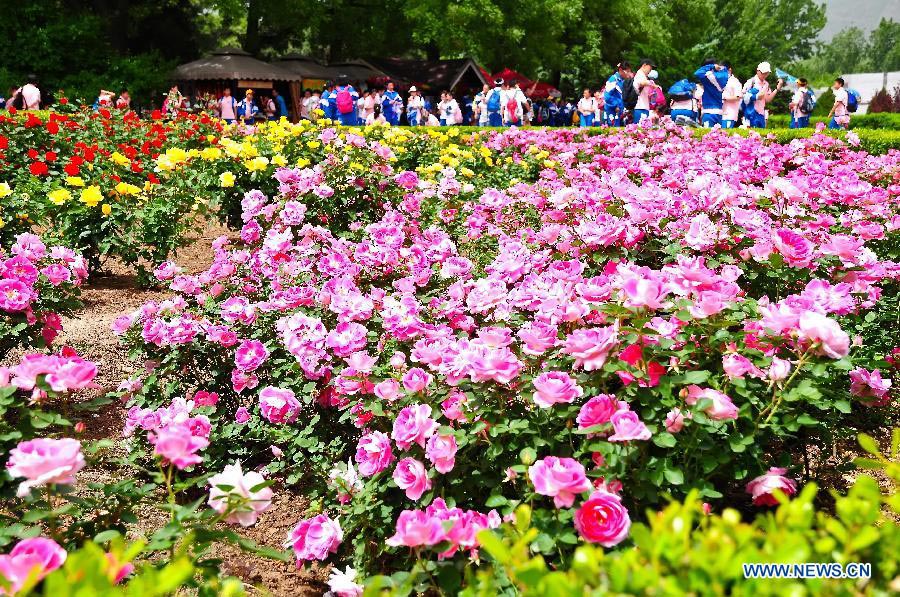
[715,97]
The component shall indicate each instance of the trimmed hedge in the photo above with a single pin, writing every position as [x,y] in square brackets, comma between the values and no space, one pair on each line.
[880,120]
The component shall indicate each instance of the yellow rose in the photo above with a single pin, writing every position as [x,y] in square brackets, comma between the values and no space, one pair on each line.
[313,144]
[5,189]
[91,196]
[257,164]
[74,181]
[59,196]
[279,160]
[119,159]
[303,162]
[226,179]
[123,188]
[106,209]
[211,153]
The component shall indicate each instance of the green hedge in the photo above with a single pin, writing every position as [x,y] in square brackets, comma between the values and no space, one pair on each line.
[880,120]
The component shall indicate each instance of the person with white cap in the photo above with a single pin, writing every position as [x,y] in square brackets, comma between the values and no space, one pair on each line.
[757,94]
[415,107]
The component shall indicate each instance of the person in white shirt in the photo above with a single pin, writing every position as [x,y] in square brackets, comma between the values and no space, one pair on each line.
[598,110]
[415,107]
[31,95]
[732,94]
[361,106]
[448,109]
[512,99]
[757,94]
[431,120]
[839,111]
[227,106]
[644,86]
[587,107]
[376,117]
[479,105]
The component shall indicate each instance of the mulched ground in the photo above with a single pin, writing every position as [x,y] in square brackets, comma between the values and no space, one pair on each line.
[111,295]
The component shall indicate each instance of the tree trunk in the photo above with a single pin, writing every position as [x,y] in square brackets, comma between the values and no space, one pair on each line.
[251,37]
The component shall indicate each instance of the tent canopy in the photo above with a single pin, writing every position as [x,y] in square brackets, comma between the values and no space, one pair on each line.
[232,63]
[306,67]
[356,70]
[533,89]
[434,75]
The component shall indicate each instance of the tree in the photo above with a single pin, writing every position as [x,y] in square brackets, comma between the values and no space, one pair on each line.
[885,46]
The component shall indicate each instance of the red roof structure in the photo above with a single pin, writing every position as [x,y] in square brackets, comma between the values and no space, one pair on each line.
[533,89]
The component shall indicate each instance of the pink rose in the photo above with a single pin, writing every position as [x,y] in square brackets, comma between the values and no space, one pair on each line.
[441,451]
[452,407]
[721,408]
[553,387]
[315,538]
[869,384]
[278,405]
[826,333]
[413,425]
[627,427]
[779,369]
[241,415]
[559,478]
[388,389]
[591,347]
[598,410]
[32,558]
[240,501]
[373,453]
[762,487]
[45,461]
[411,476]
[603,519]
[675,420]
[416,380]
[177,445]
[204,398]
[250,354]
[415,528]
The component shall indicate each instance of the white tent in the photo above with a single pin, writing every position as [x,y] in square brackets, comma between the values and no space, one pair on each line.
[868,84]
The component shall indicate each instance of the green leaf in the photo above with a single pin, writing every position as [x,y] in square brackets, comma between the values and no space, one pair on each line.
[664,439]
[867,443]
[674,476]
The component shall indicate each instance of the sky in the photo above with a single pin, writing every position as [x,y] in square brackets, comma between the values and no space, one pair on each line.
[864,14]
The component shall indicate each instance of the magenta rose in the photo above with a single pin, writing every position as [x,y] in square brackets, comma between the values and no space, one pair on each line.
[441,451]
[627,426]
[554,387]
[413,425]
[373,453]
[278,405]
[603,519]
[721,408]
[250,354]
[415,528]
[416,380]
[315,538]
[37,554]
[411,476]
[762,488]
[559,478]
[176,444]
[45,461]
[599,410]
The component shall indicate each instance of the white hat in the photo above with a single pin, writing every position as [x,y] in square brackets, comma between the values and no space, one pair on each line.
[653,75]
[412,88]
[764,67]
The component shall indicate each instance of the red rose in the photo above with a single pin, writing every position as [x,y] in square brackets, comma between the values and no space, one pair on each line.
[4,142]
[33,154]
[50,156]
[38,168]
[71,169]
[63,101]
[52,128]
[603,519]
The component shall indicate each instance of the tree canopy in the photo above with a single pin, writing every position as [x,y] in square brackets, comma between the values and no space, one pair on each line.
[84,45]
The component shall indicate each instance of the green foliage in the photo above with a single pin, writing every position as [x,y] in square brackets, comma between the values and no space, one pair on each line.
[681,550]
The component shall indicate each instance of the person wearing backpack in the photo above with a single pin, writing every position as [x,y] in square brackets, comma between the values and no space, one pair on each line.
[345,97]
[802,105]
[839,115]
[757,94]
[713,77]
[327,101]
[613,103]
[247,109]
[415,108]
[643,86]
[281,109]
[514,107]
[682,105]
[494,103]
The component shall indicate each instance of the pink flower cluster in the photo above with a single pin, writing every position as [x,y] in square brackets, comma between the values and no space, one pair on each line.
[438,523]
[176,436]
[64,372]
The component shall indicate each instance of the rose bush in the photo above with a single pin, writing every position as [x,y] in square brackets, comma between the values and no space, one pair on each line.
[646,313]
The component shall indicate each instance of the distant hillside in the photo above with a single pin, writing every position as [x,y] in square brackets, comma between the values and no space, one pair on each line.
[864,14]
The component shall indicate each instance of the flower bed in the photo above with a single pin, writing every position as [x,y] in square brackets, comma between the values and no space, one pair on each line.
[581,323]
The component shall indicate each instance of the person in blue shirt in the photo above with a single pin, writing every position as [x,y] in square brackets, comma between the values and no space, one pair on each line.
[328,101]
[345,97]
[713,77]
[391,105]
[280,105]
[247,109]
[613,106]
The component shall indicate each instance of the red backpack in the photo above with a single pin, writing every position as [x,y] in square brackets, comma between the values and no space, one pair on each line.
[512,109]
[344,101]
[657,98]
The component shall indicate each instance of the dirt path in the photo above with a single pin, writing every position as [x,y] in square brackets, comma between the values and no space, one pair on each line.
[105,298]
